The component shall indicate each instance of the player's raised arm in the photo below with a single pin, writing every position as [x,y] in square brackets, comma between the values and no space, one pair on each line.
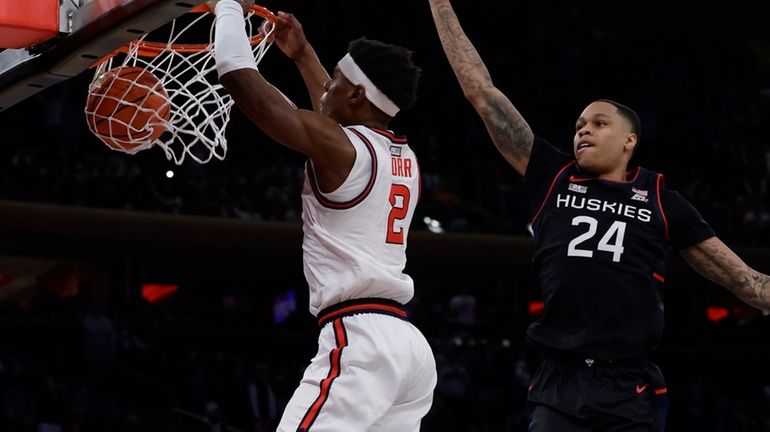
[716,262]
[318,136]
[507,128]
[290,38]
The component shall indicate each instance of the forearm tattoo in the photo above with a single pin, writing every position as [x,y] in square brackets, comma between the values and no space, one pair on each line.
[507,128]
[714,260]
[465,60]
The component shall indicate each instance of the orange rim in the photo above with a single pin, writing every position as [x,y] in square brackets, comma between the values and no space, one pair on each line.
[152,49]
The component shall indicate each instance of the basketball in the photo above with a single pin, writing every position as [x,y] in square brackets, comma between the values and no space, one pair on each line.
[126,108]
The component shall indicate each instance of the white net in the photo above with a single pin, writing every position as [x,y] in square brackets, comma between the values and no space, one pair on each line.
[128,115]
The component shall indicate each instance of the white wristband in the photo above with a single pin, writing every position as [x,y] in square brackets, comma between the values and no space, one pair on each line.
[232,50]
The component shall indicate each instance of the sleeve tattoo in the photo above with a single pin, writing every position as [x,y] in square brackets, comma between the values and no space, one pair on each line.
[715,261]
[507,128]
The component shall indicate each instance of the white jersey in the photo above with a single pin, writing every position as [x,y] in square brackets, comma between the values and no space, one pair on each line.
[355,237]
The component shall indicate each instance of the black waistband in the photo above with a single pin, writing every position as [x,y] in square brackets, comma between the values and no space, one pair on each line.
[572,357]
[359,306]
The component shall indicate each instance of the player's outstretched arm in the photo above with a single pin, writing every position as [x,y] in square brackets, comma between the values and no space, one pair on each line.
[290,38]
[716,262]
[507,128]
[317,136]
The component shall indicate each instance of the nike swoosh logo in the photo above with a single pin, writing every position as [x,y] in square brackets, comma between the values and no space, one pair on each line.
[640,388]
[574,179]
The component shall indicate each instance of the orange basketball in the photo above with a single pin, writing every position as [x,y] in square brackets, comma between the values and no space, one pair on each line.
[126,108]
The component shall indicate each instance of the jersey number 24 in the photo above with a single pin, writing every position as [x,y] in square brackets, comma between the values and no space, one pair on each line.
[611,241]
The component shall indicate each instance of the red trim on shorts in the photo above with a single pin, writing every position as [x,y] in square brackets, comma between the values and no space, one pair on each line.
[658,184]
[352,307]
[335,358]
[659,277]
[661,391]
[348,204]
[553,183]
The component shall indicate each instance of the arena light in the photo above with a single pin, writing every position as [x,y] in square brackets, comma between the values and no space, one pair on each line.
[536,308]
[284,304]
[717,313]
[433,225]
[153,292]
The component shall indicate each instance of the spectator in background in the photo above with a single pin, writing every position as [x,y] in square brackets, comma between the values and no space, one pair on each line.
[262,399]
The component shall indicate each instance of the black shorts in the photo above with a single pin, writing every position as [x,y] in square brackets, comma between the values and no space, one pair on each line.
[571,394]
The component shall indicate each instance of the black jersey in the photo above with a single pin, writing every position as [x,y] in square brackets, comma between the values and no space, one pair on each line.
[600,248]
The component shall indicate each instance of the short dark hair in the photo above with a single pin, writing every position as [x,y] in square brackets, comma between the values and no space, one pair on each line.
[389,67]
[630,116]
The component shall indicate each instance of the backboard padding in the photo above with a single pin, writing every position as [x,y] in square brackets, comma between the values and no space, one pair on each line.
[98,28]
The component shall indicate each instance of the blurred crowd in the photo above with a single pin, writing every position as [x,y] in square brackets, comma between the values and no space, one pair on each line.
[84,363]
[703,104]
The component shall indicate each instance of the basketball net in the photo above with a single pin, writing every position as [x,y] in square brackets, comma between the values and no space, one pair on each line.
[200,106]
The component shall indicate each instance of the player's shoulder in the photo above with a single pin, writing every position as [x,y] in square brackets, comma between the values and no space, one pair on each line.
[545,160]
[542,145]
[668,194]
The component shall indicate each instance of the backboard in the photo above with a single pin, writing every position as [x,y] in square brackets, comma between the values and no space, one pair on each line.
[88,30]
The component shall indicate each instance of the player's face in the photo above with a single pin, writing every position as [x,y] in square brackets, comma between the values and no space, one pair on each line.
[601,142]
[333,102]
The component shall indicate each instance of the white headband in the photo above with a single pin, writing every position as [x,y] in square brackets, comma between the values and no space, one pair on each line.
[354,74]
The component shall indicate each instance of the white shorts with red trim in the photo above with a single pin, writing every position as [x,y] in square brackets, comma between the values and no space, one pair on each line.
[372,372]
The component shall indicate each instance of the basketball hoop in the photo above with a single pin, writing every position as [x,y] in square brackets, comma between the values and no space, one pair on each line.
[199,106]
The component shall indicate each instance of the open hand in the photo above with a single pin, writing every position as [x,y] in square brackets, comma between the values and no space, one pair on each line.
[288,34]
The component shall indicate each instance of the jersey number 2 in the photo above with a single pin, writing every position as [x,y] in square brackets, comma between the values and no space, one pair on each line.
[397,212]
[617,230]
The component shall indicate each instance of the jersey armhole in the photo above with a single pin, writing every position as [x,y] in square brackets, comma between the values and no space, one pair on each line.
[338,199]
[550,189]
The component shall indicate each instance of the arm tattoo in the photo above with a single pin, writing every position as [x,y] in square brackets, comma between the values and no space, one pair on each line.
[465,60]
[507,128]
[715,261]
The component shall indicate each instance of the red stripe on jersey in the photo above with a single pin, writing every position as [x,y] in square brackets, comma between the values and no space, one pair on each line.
[631,177]
[658,277]
[335,360]
[348,204]
[636,175]
[658,184]
[661,391]
[553,183]
[389,135]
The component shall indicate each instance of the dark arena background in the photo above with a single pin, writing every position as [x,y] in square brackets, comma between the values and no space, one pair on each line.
[137,295]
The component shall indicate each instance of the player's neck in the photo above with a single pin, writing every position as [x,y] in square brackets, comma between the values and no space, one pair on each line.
[376,125]
[375,118]
[618,175]
[369,121]
[369,124]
